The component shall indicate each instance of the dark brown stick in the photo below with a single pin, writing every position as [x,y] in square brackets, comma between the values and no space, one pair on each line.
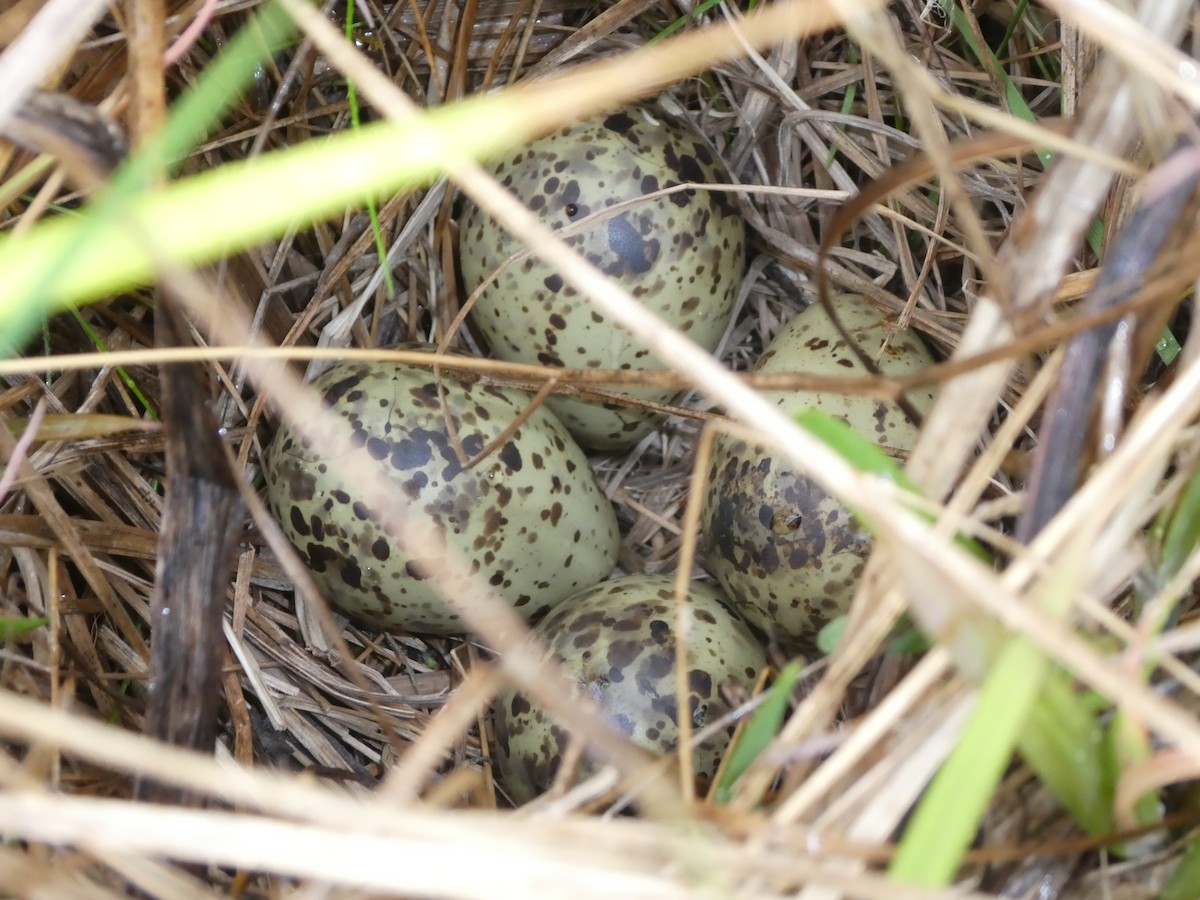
[1062,437]
[202,520]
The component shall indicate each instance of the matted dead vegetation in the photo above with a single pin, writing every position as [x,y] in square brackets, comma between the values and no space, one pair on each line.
[356,763]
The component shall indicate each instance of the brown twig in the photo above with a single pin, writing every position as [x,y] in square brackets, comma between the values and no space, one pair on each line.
[1063,436]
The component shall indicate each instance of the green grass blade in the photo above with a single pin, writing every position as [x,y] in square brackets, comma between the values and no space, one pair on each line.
[679,24]
[764,724]
[1185,880]
[1095,236]
[1064,743]
[1167,347]
[861,453]
[831,634]
[948,816]
[63,251]
[1016,102]
[1130,746]
[10,627]
[868,458]
[355,124]
[1020,706]
[1044,61]
[1181,534]
[208,215]
[220,85]
[1016,105]
[122,373]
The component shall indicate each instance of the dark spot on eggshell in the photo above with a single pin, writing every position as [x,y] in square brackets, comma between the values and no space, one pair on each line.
[682,255]
[621,653]
[335,390]
[562,536]
[721,525]
[351,574]
[655,667]
[766,517]
[615,646]
[635,255]
[660,631]
[620,122]
[665,706]
[771,535]
[411,453]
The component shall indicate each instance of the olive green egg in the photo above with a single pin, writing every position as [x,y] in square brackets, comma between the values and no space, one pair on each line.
[529,518]
[680,253]
[788,554]
[615,643]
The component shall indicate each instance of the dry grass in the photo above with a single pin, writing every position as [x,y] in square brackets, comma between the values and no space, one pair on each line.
[369,775]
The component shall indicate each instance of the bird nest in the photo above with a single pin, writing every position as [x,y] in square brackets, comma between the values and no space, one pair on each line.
[966,168]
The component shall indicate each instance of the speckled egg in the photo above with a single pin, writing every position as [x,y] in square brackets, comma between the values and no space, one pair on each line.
[681,254]
[787,553]
[616,644]
[529,518]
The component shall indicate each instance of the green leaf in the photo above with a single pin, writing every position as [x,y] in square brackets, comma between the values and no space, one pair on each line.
[867,457]
[1182,532]
[1016,104]
[1064,743]
[758,733]
[908,641]
[201,218]
[948,816]
[1185,881]
[10,627]
[122,372]
[1129,746]
[864,455]
[831,634]
[356,123]
[83,258]
[1024,703]
[694,15]
[1167,346]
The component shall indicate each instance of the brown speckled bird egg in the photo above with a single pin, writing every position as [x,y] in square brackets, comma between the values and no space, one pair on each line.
[615,642]
[681,254]
[787,553]
[529,518]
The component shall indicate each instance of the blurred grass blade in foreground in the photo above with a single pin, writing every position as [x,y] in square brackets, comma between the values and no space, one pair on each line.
[80,258]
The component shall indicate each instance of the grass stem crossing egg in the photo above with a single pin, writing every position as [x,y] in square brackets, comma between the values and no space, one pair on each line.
[788,554]
[616,642]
